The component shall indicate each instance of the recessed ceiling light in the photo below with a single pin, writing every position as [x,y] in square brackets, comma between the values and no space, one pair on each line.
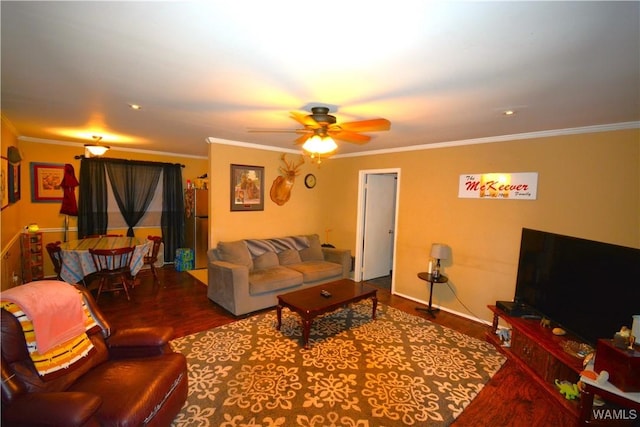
[135,107]
[509,113]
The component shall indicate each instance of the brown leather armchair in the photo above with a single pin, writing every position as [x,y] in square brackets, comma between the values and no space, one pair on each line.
[133,379]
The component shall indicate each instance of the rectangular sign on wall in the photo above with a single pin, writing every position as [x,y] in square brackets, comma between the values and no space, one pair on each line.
[505,186]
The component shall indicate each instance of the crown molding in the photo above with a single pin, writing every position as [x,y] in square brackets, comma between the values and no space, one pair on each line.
[113,148]
[503,138]
[430,146]
[212,140]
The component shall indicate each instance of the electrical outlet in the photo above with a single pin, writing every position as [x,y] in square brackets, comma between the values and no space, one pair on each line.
[15,278]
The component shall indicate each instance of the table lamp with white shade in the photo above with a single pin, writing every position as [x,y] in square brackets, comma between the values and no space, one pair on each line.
[439,252]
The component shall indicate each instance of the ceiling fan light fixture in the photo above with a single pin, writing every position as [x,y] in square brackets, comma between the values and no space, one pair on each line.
[320,145]
[93,150]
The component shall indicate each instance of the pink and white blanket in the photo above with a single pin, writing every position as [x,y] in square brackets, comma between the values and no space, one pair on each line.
[54,308]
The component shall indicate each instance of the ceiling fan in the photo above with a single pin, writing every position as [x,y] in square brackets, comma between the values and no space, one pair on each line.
[323,124]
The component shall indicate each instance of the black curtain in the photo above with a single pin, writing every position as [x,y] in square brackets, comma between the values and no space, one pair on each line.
[133,187]
[92,199]
[172,221]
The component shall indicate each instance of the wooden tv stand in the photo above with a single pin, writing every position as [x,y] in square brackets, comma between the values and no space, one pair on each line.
[538,352]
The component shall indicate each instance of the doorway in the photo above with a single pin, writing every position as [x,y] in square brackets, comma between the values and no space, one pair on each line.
[378,194]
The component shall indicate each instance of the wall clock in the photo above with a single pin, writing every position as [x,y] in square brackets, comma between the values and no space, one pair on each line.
[310,180]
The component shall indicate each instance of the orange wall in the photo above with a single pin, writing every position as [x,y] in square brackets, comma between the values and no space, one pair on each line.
[304,213]
[588,186]
[10,219]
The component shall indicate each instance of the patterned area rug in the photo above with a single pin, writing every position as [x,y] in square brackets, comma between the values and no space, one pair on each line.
[397,370]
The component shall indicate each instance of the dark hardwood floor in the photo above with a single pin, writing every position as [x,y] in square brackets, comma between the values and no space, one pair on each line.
[511,398]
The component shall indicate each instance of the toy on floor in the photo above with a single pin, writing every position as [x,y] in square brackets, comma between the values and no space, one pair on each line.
[568,390]
[505,337]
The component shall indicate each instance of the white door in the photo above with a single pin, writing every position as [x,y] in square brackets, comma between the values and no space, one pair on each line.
[379,223]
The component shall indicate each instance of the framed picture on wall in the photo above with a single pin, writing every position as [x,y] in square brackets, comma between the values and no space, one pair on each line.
[4,181]
[14,182]
[45,182]
[247,188]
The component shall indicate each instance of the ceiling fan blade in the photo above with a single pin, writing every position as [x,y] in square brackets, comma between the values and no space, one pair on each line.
[372,125]
[349,136]
[304,119]
[270,130]
[302,139]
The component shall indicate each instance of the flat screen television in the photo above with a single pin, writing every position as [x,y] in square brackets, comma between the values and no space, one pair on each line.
[588,288]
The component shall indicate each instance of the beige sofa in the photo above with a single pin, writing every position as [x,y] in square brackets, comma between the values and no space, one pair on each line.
[247,275]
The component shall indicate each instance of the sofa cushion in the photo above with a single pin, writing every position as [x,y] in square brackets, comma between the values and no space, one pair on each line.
[314,251]
[235,253]
[266,260]
[289,256]
[313,271]
[273,279]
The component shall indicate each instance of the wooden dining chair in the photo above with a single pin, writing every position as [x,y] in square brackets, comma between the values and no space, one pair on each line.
[113,267]
[152,257]
[55,253]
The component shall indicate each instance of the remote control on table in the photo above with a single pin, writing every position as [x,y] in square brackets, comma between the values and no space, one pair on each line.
[325,294]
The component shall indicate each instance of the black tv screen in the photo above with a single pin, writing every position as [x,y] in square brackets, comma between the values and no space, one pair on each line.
[588,288]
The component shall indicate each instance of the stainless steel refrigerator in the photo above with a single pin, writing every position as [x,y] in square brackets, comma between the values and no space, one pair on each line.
[197,225]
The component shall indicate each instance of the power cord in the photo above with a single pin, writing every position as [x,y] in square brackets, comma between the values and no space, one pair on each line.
[461,303]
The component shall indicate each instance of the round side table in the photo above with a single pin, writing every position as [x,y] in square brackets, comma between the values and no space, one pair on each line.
[427,277]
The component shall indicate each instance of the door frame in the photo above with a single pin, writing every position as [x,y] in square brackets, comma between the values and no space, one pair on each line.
[362,179]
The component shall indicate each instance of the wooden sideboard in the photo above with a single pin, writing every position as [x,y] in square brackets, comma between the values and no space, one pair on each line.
[540,353]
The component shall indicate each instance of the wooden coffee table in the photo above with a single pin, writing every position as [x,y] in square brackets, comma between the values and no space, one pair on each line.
[309,302]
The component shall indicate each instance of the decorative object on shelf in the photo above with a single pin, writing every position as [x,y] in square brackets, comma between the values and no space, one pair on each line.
[622,339]
[95,149]
[439,252]
[46,180]
[247,188]
[558,331]
[283,184]
[310,180]
[577,349]
[635,330]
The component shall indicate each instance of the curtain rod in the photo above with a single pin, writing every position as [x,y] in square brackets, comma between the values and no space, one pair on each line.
[83,157]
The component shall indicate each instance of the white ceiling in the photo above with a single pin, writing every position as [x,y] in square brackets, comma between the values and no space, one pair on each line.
[439,71]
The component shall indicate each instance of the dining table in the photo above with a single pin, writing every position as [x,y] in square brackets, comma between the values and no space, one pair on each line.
[77,262]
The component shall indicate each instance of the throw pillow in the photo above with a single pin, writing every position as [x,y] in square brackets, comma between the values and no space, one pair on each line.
[289,256]
[235,253]
[314,251]
[266,260]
